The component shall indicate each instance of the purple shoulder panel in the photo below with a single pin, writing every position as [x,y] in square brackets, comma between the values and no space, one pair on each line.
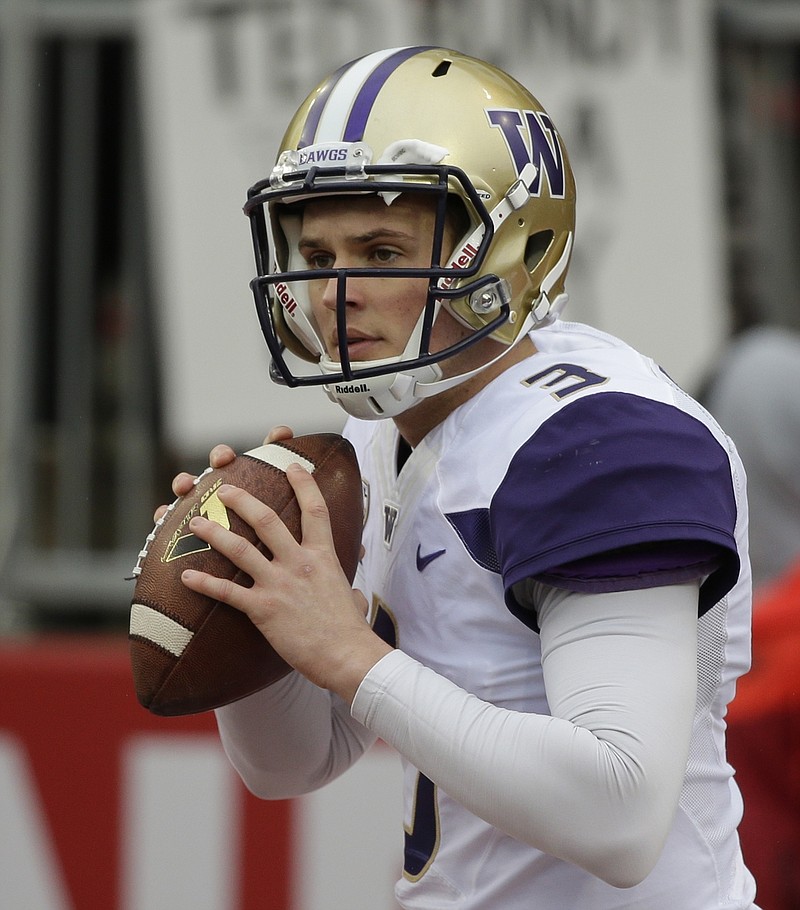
[614,492]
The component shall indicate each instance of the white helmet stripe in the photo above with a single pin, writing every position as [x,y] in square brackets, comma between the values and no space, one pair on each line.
[341,99]
[349,102]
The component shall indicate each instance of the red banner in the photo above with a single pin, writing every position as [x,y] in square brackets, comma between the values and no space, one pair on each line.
[103,805]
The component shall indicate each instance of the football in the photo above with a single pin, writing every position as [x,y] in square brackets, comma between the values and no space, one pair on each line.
[190,653]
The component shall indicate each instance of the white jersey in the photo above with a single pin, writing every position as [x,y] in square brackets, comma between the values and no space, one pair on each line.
[584,467]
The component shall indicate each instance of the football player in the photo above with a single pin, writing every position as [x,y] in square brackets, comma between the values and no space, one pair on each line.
[555,575]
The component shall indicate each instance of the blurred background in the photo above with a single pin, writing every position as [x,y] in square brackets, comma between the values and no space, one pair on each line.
[130,131]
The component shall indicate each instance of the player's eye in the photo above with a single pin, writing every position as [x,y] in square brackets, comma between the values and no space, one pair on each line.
[385,255]
[319,260]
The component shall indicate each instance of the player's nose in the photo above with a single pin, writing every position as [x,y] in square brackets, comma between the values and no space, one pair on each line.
[350,290]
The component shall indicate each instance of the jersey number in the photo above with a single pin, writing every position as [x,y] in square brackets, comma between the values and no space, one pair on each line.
[422,839]
[564,372]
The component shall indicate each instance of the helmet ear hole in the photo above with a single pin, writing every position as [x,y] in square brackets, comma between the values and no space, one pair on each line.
[536,247]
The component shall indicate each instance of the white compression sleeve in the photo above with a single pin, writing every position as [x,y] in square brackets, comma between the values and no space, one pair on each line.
[290,738]
[597,783]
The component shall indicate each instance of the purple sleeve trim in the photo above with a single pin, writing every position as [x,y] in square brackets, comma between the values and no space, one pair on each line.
[640,566]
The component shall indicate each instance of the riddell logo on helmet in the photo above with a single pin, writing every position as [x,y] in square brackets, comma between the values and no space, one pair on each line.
[351,389]
[285,298]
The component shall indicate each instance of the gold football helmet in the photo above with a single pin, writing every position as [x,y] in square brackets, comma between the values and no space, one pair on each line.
[417,120]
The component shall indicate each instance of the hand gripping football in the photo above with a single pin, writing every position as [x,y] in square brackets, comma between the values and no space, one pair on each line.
[190,653]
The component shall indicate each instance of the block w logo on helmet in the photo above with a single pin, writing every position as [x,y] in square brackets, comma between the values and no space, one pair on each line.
[543,149]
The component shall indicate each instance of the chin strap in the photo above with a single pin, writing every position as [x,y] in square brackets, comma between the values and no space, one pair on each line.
[543,310]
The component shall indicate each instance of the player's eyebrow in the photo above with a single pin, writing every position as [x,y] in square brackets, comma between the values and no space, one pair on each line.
[367,237]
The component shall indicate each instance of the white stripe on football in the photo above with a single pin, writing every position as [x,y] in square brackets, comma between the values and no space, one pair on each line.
[160,629]
[280,457]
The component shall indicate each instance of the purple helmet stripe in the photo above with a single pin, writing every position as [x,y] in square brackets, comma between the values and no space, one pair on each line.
[357,122]
[318,106]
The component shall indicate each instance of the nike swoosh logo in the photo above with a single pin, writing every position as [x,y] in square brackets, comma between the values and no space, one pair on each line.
[424,561]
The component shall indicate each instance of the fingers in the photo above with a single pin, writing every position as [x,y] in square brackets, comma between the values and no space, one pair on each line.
[268,526]
[216,588]
[238,550]
[182,483]
[278,433]
[221,455]
[269,529]
[159,513]
[315,519]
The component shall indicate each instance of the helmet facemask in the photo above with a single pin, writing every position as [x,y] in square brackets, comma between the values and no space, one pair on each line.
[282,291]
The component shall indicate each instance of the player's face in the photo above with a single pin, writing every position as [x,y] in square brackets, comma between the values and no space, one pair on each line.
[365,232]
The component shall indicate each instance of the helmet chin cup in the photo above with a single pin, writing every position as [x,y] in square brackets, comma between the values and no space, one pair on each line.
[381,397]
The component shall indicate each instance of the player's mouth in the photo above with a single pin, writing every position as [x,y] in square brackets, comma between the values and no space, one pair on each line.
[360,346]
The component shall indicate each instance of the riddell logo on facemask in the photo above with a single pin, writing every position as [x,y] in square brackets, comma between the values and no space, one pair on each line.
[465,256]
[285,298]
[351,389]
